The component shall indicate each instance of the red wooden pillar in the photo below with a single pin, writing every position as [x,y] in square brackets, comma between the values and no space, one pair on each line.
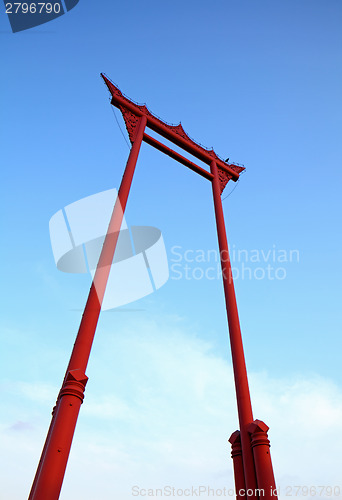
[262,459]
[51,469]
[56,455]
[239,366]
[240,486]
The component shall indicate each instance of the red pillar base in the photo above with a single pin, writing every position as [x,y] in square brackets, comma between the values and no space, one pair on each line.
[50,478]
[240,486]
[262,459]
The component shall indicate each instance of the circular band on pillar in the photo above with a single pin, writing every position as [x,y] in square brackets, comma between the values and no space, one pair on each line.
[260,438]
[258,432]
[74,384]
[235,441]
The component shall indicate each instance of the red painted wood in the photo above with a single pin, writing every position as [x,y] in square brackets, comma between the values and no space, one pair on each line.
[176,156]
[239,476]
[262,459]
[51,469]
[239,366]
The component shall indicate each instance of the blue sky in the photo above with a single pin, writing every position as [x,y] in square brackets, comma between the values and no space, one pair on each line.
[261,83]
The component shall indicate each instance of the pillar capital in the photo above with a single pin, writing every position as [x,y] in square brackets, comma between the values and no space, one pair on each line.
[74,384]
[258,431]
[235,441]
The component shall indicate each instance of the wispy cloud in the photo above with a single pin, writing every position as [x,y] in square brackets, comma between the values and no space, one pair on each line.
[20,426]
[160,407]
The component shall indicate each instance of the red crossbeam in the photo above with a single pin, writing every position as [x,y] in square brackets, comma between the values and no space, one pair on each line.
[176,156]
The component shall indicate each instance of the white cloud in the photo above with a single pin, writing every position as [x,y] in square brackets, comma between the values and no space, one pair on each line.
[158,411]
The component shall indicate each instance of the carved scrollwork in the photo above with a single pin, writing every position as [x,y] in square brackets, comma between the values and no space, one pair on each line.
[223,178]
[131,121]
[180,131]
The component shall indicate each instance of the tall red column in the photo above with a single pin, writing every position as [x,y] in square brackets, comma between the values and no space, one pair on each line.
[51,469]
[238,358]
